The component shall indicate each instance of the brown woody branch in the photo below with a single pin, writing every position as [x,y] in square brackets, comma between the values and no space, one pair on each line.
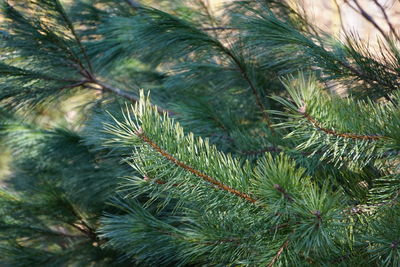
[88,74]
[344,135]
[158,181]
[203,176]
[367,16]
[279,253]
[286,195]
[83,227]
[253,88]
[240,66]
[389,23]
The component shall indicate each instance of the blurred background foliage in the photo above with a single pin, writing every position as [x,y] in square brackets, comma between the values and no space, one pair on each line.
[332,16]
[64,142]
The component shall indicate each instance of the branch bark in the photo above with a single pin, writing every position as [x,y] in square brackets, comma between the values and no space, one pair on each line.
[344,135]
[279,253]
[205,177]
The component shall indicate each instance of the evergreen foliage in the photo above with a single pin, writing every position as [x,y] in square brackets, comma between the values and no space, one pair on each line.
[195,139]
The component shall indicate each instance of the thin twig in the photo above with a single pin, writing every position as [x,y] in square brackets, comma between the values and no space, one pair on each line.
[246,77]
[82,226]
[286,195]
[387,19]
[76,37]
[339,10]
[74,85]
[116,90]
[242,70]
[279,253]
[368,17]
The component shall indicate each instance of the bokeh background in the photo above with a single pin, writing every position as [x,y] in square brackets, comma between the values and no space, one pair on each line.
[333,16]
[330,15]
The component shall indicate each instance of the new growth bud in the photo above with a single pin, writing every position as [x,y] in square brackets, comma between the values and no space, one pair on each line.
[302,109]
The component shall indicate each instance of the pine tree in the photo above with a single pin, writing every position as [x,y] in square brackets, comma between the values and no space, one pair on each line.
[167,135]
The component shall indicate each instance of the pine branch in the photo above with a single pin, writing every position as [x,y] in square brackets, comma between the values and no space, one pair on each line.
[49,36]
[183,39]
[115,90]
[283,192]
[205,177]
[346,140]
[344,135]
[339,11]
[122,93]
[76,37]
[246,77]
[359,64]
[384,13]
[279,253]
[368,17]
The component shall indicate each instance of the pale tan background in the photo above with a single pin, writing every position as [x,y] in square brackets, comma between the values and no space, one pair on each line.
[326,15]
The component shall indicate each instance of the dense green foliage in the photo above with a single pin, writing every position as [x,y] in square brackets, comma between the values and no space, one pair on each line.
[165,135]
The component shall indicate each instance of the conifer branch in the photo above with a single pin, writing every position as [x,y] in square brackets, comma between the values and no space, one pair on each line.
[279,253]
[75,35]
[91,79]
[82,226]
[124,94]
[205,177]
[318,125]
[368,17]
[384,13]
[74,85]
[286,195]
[115,90]
[365,77]
[246,77]
[158,181]
[339,10]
